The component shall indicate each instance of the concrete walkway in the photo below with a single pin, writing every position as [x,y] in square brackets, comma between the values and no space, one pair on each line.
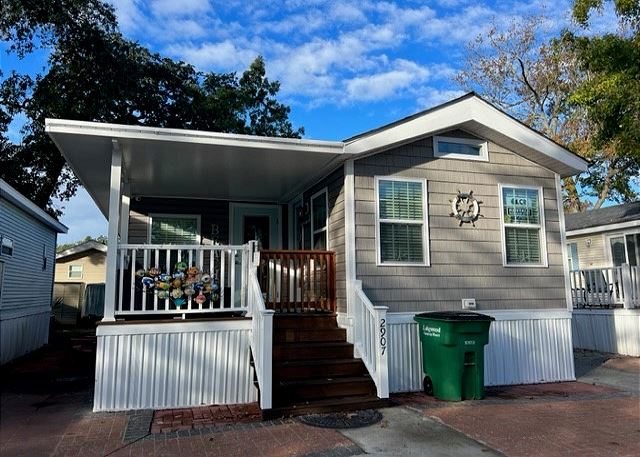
[405,432]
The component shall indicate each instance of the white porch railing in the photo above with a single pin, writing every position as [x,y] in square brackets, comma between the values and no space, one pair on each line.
[370,338]
[148,281]
[606,287]
[261,339]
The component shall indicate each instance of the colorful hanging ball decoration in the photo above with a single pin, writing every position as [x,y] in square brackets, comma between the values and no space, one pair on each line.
[176,293]
[165,278]
[189,291]
[200,299]
[206,278]
[192,271]
[163,285]
[163,294]
[176,283]
[148,282]
[179,302]
[198,285]
[141,273]
[215,297]
[178,275]
[207,289]
[215,287]
[154,271]
[180,266]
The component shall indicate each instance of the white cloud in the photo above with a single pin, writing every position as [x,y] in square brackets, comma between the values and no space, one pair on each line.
[433,97]
[82,216]
[401,77]
[162,8]
[221,56]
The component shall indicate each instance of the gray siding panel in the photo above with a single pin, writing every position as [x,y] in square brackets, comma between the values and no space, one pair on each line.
[465,261]
[25,298]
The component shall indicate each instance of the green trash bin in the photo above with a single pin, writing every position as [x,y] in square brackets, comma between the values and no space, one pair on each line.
[453,353]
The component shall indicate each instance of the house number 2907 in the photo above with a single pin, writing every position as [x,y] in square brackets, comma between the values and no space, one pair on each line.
[383,335]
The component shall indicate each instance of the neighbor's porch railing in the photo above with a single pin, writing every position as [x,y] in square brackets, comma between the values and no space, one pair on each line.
[609,287]
[370,331]
[261,339]
[298,281]
[223,291]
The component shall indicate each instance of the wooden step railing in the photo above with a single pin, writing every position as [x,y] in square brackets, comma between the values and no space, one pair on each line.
[298,281]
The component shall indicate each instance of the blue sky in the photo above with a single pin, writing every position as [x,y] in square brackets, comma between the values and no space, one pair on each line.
[345,67]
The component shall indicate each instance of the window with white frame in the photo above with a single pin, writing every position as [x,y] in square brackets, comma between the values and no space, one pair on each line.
[460,148]
[401,221]
[523,226]
[6,246]
[174,229]
[319,220]
[625,248]
[75,271]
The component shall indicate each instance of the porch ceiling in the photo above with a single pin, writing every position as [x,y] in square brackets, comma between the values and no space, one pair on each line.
[182,163]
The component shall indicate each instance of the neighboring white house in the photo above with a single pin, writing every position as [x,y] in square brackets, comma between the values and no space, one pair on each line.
[603,250]
[305,261]
[27,257]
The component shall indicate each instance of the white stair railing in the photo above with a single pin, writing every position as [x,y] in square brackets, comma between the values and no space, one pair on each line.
[370,338]
[261,339]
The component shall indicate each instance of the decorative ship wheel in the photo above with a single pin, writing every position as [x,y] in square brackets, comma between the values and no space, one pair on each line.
[465,208]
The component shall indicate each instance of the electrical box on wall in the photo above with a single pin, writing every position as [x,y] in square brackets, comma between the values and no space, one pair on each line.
[468,303]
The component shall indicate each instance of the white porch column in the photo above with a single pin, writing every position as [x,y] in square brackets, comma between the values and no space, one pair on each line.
[114,226]
[124,213]
[627,287]
[563,242]
[350,243]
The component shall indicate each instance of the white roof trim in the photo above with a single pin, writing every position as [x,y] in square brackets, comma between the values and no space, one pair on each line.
[190,136]
[82,247]
[604,228]
[467,109]
[22,202]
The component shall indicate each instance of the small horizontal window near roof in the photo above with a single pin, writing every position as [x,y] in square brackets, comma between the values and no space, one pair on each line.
[460,148]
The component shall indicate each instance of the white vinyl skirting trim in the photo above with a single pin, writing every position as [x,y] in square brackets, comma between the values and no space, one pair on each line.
[607,330]
[525,347]
[173,365]
[21,334]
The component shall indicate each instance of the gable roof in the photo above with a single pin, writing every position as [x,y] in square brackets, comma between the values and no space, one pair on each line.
[477,116]
[282,167]
[90,245]
[603,218]
[10,194]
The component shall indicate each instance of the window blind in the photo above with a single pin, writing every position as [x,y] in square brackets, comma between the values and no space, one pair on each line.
[174,230]
[522,218]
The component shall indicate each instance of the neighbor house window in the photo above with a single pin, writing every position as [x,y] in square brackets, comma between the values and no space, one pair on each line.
[625,249]
[523,226]
[75,271]
[6,246]
[460,148]
[319,218]
[401,221]
[174,229]
[572,256]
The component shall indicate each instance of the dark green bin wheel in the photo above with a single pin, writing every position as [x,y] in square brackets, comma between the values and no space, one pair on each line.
[427,385]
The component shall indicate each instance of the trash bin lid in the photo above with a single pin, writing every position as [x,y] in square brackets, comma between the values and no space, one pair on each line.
[457,316]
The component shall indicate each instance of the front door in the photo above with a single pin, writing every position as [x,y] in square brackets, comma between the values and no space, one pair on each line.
[254,222]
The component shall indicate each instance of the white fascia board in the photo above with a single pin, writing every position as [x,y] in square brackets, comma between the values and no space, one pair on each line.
[22,202]
[64,126]
[466,110]
[604,228]
[88,246]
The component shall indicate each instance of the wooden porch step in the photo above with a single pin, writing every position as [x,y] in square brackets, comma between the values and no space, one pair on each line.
[288,392]
[312,351]
[308,369]
[293,335]
[350,403]
[304,320]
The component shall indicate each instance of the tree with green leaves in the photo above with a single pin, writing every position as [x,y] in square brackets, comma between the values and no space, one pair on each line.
[610,97]
[96,74]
